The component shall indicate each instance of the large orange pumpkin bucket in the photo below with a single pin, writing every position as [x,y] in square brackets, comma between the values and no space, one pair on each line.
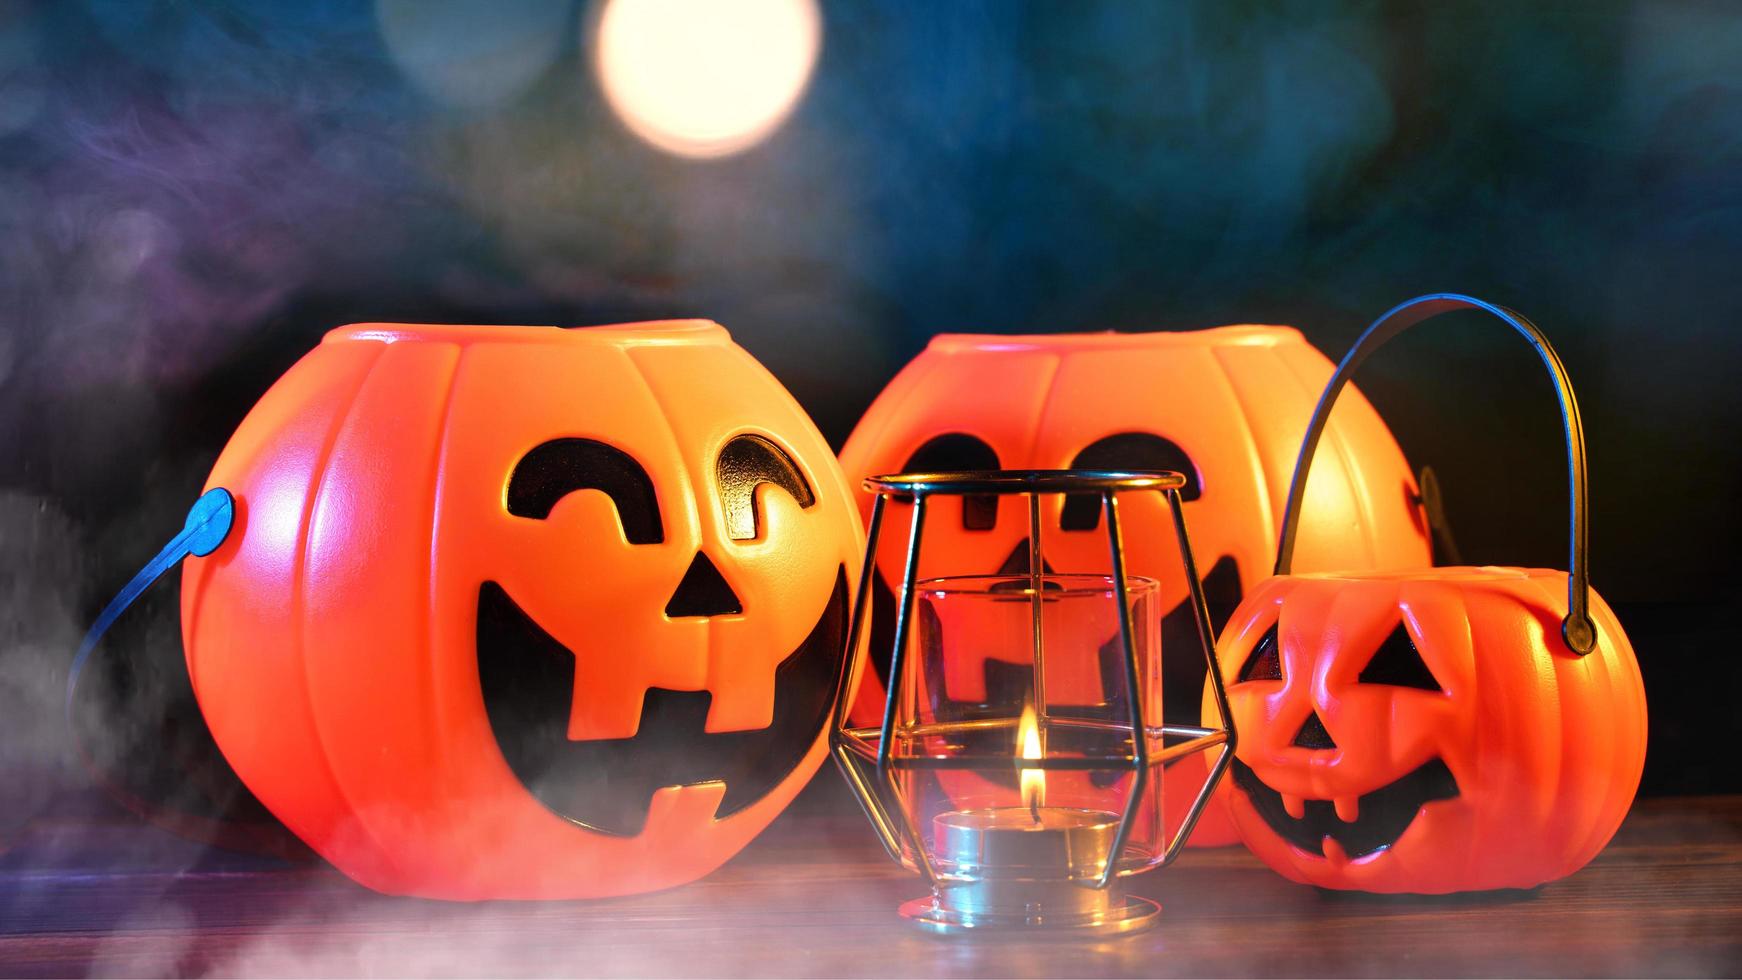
[519,612]
[1440,729]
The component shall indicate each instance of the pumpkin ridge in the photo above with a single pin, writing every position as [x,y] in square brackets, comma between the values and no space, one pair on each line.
[653,395]
[1474,848]
[352,818]
[1528,793]
[1043,410]
[878,664]
[1264,496]
[1335,437]
[885,419]
[1559,699]
[1618,793]
[1570,700]
[203,654]
[1627,663]
[438,459]
[1500,837]
[1585,841]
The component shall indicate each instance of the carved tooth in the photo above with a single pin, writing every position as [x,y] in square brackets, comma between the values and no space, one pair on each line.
[1348,808]
[1295,806]
[1334,852]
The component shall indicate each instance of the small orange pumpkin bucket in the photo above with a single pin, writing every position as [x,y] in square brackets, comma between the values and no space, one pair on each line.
[1440,729]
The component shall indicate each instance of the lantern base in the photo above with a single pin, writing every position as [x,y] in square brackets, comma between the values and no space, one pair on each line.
[1118,915]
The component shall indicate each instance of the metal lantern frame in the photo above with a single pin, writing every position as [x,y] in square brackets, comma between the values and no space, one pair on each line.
[871,748]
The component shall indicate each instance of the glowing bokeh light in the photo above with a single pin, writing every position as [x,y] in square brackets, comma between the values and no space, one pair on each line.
[473,54]
[706,78]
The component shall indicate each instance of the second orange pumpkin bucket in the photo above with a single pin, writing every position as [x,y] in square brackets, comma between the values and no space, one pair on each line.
[1225,406]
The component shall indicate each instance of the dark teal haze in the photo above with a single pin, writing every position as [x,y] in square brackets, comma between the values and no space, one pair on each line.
[191,193]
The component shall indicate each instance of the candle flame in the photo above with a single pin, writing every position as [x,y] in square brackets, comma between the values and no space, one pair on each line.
[1033,780]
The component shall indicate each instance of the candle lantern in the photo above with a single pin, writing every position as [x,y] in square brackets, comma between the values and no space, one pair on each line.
[1023,786]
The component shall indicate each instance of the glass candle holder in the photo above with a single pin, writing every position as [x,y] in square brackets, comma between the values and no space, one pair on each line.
[1017,768]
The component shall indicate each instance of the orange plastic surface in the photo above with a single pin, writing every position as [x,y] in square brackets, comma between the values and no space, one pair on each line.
[1235,399]
[332,639]
[1546,747]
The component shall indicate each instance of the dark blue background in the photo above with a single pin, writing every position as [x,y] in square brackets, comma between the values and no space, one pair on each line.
[191,193]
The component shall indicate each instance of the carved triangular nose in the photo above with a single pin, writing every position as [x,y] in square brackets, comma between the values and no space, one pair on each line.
[1312,734]
[1018,564]
[703,592]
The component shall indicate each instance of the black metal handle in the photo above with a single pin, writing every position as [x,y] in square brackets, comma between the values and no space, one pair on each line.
[1578,631]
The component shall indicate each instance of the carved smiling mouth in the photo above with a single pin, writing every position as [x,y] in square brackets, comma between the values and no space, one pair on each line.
[1383,816]
[527,678]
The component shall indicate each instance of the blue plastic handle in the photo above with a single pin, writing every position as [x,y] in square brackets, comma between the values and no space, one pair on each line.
[208,524]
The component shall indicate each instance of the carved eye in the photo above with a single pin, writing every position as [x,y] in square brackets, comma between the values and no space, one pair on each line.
[555,469]
[746,463]
[1125,451]
[1397,662]
[1264,663]
[960,451]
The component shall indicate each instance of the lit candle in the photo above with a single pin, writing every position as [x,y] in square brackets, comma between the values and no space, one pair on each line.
[1046,841]
[1028,866]
[1028,841]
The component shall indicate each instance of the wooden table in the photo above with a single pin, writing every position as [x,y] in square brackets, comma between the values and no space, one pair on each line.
[814,896]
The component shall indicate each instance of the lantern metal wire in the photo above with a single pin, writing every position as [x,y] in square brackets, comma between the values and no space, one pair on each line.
[857,749]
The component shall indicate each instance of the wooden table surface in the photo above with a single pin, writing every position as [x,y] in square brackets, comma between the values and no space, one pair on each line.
[814,896]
